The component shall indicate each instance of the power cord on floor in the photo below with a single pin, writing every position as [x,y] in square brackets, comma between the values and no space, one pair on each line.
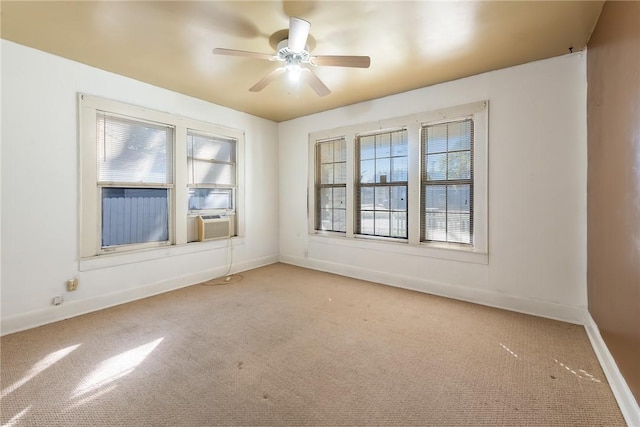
[226,278]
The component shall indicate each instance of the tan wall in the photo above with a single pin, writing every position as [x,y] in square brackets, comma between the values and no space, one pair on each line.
[613,212]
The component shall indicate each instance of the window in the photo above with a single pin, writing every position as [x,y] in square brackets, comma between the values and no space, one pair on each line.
[211,164]
[419,180]
[381,196]
[135,175]
[447,182]
[331,185]
[146,175]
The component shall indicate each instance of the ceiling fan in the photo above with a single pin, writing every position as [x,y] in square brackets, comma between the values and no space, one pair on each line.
[294,52]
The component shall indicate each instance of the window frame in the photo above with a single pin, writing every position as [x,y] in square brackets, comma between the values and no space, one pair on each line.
[89,240]
[319,185]
[478,252]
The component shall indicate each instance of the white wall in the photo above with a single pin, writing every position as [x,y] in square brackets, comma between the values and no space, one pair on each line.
[40,192]
[537,193]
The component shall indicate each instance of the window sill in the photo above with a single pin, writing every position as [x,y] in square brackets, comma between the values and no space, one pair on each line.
[122,258]
[425,250]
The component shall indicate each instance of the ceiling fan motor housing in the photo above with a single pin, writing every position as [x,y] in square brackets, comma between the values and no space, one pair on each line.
[287,55]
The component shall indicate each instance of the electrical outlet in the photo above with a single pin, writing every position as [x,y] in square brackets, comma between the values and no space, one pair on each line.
[72,285]
[57,300]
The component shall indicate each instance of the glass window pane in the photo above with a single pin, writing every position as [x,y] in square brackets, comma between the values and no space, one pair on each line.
[366,222]
[326,219]
[383,169]
[367,171]
[399,169]
[339,220]
[339,173]
[435,226]
[382,223]
[210,198]
[326,198]
[436,167]
[383,145]
[340,151]
[382,198]
[398,224]
[134,215]
[367,147]
[326,152]
[399,143]
[437,138]
[366,198]
[399,198]
[213,173]
[207,147]
[326,174]
[460,135]
[339,198]
[436,198]
[460,165]
[459,198]
[458,228]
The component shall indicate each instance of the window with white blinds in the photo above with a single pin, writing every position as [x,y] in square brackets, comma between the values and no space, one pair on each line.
[381,190]
[211,166]
[331,185]
[447,182]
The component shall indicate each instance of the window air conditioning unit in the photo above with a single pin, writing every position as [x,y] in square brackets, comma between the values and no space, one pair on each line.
[212,227]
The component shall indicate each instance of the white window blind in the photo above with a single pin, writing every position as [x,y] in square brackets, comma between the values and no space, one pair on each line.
[133,151]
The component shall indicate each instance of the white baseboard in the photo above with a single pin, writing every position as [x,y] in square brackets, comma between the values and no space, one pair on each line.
[626,401]
[70,309]
[546,309]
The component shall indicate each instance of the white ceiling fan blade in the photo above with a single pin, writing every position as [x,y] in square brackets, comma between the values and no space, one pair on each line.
[341,61]
[267,79]
[298,33]
[245,53]
[316,84]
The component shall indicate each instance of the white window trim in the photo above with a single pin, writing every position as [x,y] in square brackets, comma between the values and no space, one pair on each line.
[478,253]
[89,204]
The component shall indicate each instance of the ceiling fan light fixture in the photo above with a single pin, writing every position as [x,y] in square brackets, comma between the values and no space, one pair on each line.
[293,71]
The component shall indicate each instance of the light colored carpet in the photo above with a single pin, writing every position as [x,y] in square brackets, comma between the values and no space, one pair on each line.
[290,346]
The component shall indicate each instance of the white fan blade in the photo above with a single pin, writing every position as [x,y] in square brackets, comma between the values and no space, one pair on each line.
[267,79]
[298,33]
[316,84]
[341,61]
[234,52]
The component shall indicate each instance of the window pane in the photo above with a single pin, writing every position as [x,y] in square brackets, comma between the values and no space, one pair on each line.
[204,172]
[210,198]
[436,198]
[382,198]
[134,215]
[435,226]
[366,198]
[339,220]
[458,228]
[383,145]
[326,152]
[382,223]
[437,138]
[367,147]
[326,174]
[460,135]
[340,173]
[367,171]
[207,147]
[460,165]
[459,198]
[326,198]
[399,198]
[340,198]
[383,169]
[398,224]
[366,222]
[399,143]
[134,151]
[399,169]
[340,151]
[326,219]
[436,167]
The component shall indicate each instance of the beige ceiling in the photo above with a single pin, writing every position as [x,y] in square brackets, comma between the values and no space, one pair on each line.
[412,44]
